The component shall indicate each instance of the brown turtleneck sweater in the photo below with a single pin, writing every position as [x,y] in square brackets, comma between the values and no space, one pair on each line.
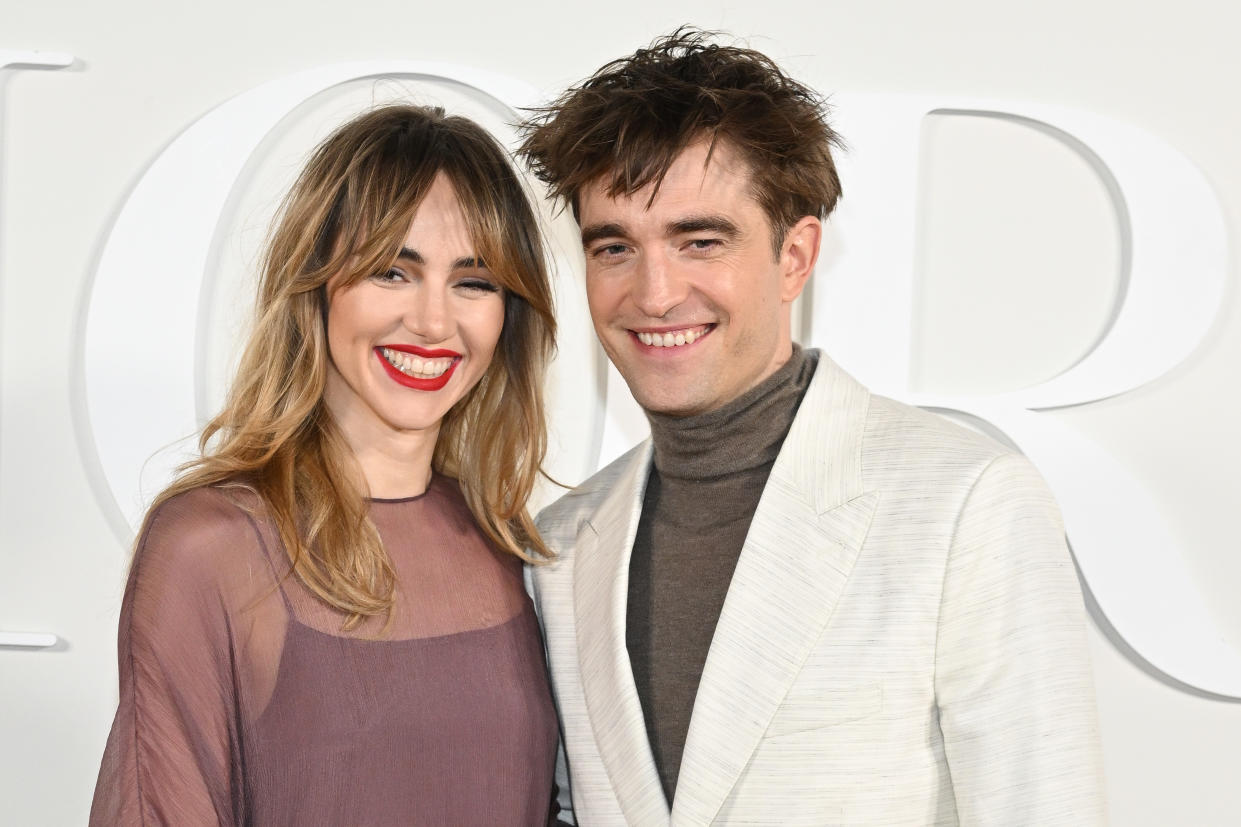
[705,483]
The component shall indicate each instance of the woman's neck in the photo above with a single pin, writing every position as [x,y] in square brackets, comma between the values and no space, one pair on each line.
[395,469]
[393,463]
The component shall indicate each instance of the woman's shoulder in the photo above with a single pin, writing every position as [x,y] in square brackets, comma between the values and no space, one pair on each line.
[204,526]
[197,568]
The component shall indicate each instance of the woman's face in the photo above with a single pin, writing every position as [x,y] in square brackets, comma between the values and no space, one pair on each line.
[409,343]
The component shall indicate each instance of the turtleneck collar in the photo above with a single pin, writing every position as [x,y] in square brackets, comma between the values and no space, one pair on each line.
[744,434]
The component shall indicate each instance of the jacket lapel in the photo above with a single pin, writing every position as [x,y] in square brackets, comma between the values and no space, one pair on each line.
[600,596]
[805,537]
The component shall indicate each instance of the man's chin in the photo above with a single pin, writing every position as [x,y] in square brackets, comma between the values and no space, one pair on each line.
[665,389]
[659,401]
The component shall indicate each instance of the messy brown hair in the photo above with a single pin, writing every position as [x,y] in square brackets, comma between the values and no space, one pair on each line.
[628,122]
[347,216]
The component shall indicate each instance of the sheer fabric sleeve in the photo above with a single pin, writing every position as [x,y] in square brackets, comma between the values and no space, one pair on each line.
[173,755]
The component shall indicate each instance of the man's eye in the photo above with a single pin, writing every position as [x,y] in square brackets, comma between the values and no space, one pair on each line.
[704,244]
[610,250]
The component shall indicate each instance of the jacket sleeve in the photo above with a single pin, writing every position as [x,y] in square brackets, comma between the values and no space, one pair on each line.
[172,756]
[1013,683]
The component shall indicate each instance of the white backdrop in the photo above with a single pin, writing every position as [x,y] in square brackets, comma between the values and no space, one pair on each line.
[1017,260]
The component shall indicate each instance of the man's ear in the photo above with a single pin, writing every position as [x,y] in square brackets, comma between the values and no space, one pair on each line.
[798,256]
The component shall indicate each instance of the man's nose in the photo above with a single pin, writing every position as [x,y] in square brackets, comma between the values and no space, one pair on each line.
[657,287]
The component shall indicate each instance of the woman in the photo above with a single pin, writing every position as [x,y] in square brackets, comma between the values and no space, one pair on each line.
[325,621]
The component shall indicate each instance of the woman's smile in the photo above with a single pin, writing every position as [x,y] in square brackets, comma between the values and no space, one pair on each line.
[418,368]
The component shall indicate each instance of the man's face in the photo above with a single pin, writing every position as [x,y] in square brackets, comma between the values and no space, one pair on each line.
[686,294]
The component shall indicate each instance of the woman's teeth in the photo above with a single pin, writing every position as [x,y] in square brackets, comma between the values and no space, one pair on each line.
[672,338]
[416,366]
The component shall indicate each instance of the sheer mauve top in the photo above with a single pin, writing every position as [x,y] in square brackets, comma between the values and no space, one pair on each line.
[244,702]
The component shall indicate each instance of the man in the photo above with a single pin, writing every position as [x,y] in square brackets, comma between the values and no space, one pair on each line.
[797,603]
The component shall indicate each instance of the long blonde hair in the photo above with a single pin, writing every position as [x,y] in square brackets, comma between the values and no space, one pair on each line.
[348,213]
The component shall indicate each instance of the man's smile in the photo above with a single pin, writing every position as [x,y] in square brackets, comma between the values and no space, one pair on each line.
[673,337]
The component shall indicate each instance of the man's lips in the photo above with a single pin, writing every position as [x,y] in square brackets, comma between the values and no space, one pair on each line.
[418,368]
[670,338]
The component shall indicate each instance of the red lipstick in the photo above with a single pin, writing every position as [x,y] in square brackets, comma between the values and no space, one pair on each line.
[422,351]
[401,378]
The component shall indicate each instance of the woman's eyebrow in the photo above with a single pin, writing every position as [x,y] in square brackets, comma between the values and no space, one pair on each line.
[464,263]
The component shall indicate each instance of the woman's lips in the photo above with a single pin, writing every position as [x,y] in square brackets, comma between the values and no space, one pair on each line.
[426,353]
[416,367]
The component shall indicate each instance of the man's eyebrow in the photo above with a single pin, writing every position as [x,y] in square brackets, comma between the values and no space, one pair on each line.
[463,263]
[595,232]
[697,224]
[703,224]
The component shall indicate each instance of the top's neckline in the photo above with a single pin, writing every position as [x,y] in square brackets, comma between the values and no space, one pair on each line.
[399,500]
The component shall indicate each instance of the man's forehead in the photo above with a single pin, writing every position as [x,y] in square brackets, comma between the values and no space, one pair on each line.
[702,168]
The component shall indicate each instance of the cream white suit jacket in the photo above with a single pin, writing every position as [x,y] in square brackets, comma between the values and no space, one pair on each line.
[902,642]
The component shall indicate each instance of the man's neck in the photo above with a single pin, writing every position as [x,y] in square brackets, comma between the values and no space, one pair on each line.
[742,434]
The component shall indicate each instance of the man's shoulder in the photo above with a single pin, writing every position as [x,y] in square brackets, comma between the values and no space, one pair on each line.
[560,522]
[903,439]
[888,428]
[845,409]
[890,416]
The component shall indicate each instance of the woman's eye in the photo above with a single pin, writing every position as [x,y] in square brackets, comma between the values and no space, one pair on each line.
[478,286]
[393,276]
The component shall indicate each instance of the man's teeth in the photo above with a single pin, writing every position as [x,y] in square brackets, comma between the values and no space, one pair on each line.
[416,366]
[673,338]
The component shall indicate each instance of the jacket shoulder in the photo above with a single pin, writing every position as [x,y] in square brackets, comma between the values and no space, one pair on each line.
[903,434]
